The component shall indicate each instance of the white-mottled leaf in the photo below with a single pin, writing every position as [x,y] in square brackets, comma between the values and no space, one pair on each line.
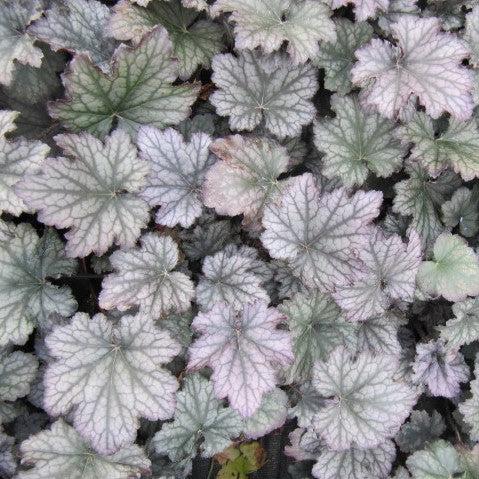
[317,327]
[253,88]
[464,328]
[462,210]
[366,405]
[455,145]
[308,404]
[246,176]
[271,415]
[453,272]
[363,9]
[95,193]
[470,408]
[337,57]
[388,275]
[60,452]
[145,278]
[354,463]
[356,142]
[137,91]
[200,421]
[317,233]
[16,44]
[77,26]
[306,445]
[442,370]
[269,23]
[244,350]
[27,297]
[17,158]
[177,173]
[421,197]
[439,460]
[195,41]
[231,279]
[110,375]
[421,428]
[397,8]
[425,64]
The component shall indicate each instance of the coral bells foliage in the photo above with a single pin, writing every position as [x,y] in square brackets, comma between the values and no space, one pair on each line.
[226,221]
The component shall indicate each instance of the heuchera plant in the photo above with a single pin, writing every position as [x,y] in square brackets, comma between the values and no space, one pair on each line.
[239,239]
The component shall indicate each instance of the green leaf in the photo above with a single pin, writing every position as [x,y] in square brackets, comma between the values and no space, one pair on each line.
[439,460]
[137,91]
[200,421]
[238,462]
[464,328]
[463,210]
[337,57]
[27,297]
[453,272]
[195,41]
[421,197]
[437,146]
[356,142]
[317,327]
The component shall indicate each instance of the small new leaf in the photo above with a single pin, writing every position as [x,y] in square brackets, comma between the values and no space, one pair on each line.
[195,41]
[145,278]
[95,194]
[245,178]
[27,297]
[177,173]
[366,404]
[464,328]
[61,452]
[137,91]
[200,421]
[425,64]
[253,88]
[453,272]
[16,44]
[462,210]
[77,26]
[17,158]
[442,370]
[267,24]
[234,344]
[110,375]
[317,233]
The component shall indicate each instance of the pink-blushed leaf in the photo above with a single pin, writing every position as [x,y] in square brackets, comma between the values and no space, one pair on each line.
[110,375]
[425,63]
[440,368]
[319,234]
[178,169]
[244,349]
[246,176]
[389,274]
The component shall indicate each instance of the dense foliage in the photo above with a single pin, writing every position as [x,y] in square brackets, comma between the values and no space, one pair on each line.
[231,221]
